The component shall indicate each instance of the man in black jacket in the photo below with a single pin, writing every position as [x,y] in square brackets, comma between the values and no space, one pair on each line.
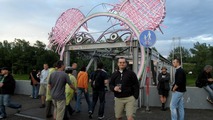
[207,81]
[7,87]
[178,90]
[124,83]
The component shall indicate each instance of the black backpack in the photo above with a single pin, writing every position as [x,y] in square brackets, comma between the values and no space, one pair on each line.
[199,83]
[96,79]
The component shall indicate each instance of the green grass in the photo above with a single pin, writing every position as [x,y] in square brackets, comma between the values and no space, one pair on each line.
[21,76]
[190,80]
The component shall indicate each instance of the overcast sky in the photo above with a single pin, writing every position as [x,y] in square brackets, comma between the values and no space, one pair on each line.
[32,20]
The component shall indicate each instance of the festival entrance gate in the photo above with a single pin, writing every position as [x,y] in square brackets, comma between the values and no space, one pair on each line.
[127,20]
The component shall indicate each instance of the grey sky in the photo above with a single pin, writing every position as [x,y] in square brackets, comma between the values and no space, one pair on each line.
[33,19]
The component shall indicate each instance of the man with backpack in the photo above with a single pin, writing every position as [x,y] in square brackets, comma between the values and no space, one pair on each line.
[98,80]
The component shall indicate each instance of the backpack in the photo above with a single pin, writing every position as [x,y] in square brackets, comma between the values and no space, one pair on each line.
[96,79]
[199,83]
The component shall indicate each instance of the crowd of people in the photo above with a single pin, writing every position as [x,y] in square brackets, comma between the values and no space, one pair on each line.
[59,85]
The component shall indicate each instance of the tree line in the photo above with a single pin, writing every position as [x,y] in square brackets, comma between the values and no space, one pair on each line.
[195,58]
[21,57]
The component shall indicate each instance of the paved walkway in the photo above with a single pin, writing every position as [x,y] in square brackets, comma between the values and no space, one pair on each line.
[31,111]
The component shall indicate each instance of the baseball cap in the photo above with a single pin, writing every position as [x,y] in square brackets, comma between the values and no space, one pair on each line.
[5,68]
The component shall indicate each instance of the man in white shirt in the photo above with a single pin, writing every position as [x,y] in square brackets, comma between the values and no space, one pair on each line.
[43,84]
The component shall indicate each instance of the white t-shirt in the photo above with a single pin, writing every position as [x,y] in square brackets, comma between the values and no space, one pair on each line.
[43,76]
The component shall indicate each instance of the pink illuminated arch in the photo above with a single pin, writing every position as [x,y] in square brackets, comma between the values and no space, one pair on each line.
[136,15]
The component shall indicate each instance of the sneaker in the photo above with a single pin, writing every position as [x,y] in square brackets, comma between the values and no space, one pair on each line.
[49,116]
[209,100]
[163,109]
[18,110]
[2,117]
[90,114]
[100,118]
[71,112]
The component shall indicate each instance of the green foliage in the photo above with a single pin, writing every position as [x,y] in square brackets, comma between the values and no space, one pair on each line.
[176,54]
[21,76]
[21,57]
[83,61]
[202,55]
[189,67]
[190,80]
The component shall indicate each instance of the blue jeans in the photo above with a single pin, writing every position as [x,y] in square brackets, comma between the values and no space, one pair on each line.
[177,103]
[101,96]
[5,102]
[78,102]
[209,89]
[35,89]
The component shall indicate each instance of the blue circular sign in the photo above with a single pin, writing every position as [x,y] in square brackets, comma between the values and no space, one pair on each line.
[147,38]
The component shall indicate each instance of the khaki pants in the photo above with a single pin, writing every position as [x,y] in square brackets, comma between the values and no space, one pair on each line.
[42,89]
[59,108]
[127,104]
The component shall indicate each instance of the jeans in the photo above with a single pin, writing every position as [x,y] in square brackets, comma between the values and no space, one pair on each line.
[177,103]
[35,90]
[5,102]
[209,89]
[101,96]
[78,102]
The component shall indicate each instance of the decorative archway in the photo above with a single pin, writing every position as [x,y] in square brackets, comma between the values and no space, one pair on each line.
[134,15]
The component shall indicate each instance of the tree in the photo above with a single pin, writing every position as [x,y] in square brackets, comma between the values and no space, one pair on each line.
[5,53]
[202,55]
[21,57]
[39,45]
[175,53]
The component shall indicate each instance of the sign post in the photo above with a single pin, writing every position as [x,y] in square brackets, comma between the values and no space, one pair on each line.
[147,39]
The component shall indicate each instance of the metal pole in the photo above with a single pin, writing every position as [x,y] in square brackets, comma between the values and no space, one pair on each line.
[90,63]
[113,65]
[67,58]
[95,64]
[147,80]
[173,56]
[135,56]
[180,52]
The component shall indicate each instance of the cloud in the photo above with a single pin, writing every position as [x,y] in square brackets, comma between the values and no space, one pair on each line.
[33,19]
[165,46]
[187,18]
[206,38]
